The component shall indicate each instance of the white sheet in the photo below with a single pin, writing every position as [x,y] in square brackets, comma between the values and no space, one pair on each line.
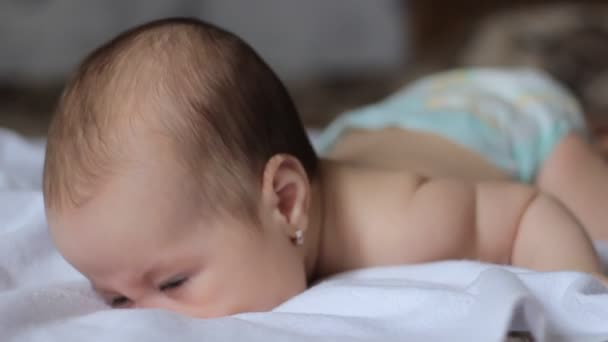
[43,299]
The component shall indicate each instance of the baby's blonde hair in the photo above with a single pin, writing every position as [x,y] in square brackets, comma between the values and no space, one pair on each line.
[223,110]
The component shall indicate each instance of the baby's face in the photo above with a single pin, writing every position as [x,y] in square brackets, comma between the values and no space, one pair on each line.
[142,242]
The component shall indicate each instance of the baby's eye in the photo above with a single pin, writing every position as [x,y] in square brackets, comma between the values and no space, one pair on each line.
[173,283]
[119,301]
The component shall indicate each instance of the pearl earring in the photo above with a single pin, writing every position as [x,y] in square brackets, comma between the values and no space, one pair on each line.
[299,238]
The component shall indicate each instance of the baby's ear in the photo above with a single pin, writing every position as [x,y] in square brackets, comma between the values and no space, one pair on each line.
[286,193]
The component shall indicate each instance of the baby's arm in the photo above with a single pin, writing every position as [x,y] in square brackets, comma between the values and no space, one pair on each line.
[545,236]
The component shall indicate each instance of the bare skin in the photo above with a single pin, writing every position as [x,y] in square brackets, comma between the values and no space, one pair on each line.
[142,241]
[577,175]
[510,223]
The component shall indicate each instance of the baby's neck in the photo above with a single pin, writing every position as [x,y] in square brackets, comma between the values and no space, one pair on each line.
[322,256]
[316,226]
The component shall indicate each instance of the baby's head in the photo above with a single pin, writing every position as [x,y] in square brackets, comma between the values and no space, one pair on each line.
[178,174]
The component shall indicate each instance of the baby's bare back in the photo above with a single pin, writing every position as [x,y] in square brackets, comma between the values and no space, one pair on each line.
[415,217]
[399,217]
[409,197]
[423,153]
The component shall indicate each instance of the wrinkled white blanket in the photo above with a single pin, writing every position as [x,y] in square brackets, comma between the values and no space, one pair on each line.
[43,299]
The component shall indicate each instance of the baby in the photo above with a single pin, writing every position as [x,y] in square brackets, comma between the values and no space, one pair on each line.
[179,176]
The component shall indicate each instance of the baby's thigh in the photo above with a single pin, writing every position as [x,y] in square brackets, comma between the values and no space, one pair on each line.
[577,175]
[572,161]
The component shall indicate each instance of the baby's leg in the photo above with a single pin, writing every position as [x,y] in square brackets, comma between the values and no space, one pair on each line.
[550,239]
[578,176]
[542,234]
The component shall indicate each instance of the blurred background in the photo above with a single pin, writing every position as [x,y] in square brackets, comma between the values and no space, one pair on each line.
[332,54]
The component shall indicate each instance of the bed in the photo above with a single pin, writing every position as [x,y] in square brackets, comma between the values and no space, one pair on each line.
[43,299]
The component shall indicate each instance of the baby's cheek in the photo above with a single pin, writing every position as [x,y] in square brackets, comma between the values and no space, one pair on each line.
[213,296]
[200,298]
[199,290]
